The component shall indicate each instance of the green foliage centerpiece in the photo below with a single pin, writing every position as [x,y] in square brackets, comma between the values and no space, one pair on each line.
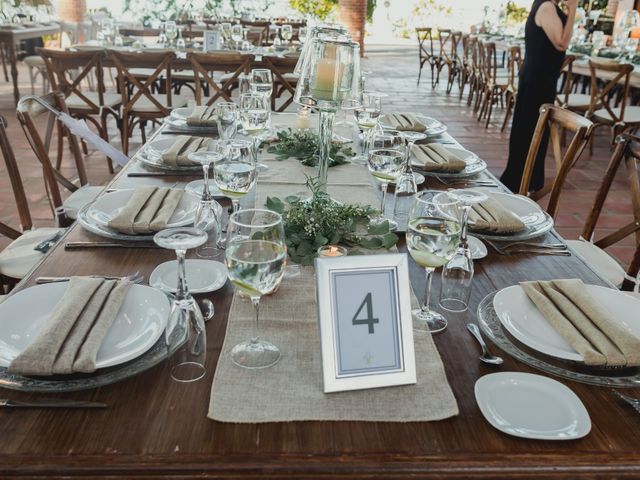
[305,146]
[310,224]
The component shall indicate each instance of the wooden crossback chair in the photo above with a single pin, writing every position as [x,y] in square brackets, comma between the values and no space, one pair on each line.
[627,155]
[449,43]
[494,85]
[556,120]
[261,29]
[205,64]
[283,78]
[602,110]
[465,61]
[514,67]
[67,71]
[20,256]
[426,52]
[139,103]
[29,110]
[566,97]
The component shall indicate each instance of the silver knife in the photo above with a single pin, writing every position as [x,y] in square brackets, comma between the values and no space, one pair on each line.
[52,403]
[76,245]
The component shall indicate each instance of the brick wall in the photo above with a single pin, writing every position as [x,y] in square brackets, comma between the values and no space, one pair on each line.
[71,10]
[352,13]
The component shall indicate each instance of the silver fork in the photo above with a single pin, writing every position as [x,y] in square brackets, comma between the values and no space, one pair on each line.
[469,182]
[133,278]
[634,402]
[530,247]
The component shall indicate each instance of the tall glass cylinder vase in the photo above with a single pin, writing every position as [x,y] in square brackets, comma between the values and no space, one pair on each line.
[325,139]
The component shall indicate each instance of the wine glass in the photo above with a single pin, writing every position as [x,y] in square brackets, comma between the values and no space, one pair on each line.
[185,334]
[181,44]
[236,33]
[287,33]
[171,31]
[433,234]
[256,259]
[302,34]
[236,174]
[366,116]
[254,117]
[225,29]
[226,119]
[386,160]
[406,185]
[262,81]
[457,274]
[209,212]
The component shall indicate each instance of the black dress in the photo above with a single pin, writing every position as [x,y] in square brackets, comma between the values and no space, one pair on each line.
[536,86]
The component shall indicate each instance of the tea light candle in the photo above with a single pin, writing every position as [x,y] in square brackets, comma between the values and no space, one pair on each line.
[303,119]
[326,84]
[332,251]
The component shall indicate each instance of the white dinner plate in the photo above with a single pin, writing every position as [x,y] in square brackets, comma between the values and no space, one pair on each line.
[523,320]
[109,205]
[138,325]
[202,275]
[434,127]
[181,113]
[151,155]
[475,165]
[536,221]
[478,249]
[531,406]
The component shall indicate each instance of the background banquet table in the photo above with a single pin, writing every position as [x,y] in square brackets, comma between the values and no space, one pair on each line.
[155,427]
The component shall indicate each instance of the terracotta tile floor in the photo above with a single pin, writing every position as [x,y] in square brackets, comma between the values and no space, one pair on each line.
[394,71]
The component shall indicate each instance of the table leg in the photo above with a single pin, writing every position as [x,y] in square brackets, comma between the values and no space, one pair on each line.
[14,71]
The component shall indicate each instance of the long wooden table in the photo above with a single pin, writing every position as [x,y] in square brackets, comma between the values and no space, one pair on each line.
[12,36]
[157,428]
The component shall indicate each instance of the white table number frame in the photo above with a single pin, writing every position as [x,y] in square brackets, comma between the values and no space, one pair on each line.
[366,329]
[211,40]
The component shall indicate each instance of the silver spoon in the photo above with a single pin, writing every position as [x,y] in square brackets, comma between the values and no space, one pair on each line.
[208,310]
[486,357]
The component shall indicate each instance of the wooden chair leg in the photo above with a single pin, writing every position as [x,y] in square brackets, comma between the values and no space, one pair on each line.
[510,104]
[104,133]
[60,146]
[492,100]
[125,134]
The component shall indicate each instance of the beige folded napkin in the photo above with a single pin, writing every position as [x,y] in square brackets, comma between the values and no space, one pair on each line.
[178,153]
[202,117]
[585,325]
[70,338]
[147,211]
[405,122]
[436,158]
[491,216]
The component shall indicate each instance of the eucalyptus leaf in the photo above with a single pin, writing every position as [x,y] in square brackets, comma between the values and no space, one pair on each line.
[378,228]
[371,242]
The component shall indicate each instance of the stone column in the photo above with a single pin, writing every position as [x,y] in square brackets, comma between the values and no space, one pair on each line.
[71,10]
[352,14]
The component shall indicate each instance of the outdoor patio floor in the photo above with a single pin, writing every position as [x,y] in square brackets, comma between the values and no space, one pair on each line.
[394,71]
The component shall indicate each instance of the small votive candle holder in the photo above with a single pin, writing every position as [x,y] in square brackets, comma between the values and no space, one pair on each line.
[332,251]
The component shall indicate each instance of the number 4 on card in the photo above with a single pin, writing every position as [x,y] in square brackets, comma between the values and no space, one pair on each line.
[369,321]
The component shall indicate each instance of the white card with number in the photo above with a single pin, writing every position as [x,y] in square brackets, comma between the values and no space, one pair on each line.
[211,40]
[366,329]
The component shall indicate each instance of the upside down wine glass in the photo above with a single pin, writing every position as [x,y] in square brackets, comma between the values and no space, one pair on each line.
[255,115]
[256,259]
[185,334]
[235,175]
[433,234]
[366,116]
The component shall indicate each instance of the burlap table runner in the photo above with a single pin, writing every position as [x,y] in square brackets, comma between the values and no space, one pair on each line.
[292,390]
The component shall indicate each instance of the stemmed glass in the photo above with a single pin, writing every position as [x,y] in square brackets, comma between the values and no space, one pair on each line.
[236,174]
[457,274]
[226,119]
[209,212]
[171,31]
[262,81]
[287,33]
[181,44]
[385,161]
[225,29]
[302,34]
[433,234]
[367,115]
[255,115]
[406,185]
[256,259]
[236,34]
[185,334]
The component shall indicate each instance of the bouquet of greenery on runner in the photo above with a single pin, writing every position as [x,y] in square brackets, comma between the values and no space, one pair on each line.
[304,145]
[310,224]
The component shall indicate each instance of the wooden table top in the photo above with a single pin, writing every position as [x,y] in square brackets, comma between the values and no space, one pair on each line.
[23,33]
[156,427]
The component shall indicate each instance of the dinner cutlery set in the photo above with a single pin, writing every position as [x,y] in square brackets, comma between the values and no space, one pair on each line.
[133,278]
[508,248]
[100,244]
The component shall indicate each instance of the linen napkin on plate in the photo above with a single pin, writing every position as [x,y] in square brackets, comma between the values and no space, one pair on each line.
[202,117]
[405,122]
[178,153]
[147,211]
[70,338]
[436,158]
[491,216]
[585,325]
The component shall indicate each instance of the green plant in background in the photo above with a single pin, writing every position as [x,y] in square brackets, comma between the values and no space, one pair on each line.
[310,224]
[323,8]
[515,15]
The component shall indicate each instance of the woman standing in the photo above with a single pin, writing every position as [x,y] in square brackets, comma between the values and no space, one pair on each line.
[547,34]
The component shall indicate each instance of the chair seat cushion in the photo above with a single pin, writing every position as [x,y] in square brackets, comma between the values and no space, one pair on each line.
[145,105]
[110,100]
[142,72]
[631,115]
[605,265]
[578,100]
[78,199]
[34,61]
[188,75]
[19,257]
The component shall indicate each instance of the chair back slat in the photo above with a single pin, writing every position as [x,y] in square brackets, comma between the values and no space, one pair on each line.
[425,43]
[556,120]
[279,67]
[562,98]
[205,64]
[601,95]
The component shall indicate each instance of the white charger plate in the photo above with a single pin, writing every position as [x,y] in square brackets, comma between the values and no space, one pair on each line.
[181,113]
[138,325]
[151,155]
[531,406]
[478,249]
[202,275]
[537,222]
[475,165]
[523,320]
[434,127]
[109,205]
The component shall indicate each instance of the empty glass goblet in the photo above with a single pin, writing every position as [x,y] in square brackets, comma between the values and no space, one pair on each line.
[366,116]
[185,334]
[227,119]
[262,81]
[255,115]
[406,185]
[236,174]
